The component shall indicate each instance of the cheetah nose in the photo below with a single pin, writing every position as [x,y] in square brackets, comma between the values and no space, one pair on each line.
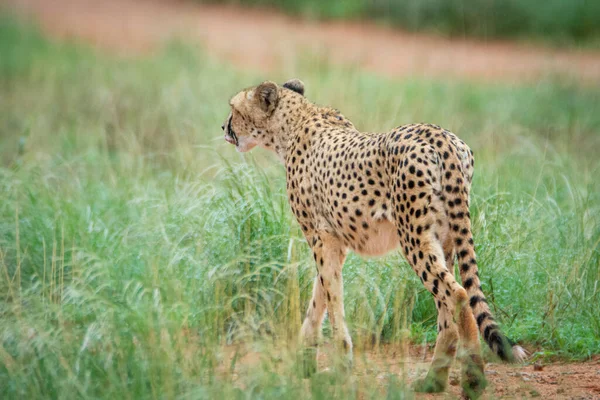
[223,126]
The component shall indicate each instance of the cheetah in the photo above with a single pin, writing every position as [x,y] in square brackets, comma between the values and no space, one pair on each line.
[373,193]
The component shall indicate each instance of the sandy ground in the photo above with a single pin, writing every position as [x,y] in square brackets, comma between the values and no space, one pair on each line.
[267,40]
[566,380]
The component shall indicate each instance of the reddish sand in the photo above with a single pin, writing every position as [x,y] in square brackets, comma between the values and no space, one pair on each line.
[566,380]
[267,40]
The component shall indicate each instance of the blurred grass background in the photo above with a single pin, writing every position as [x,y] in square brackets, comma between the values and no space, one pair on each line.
[558,22]
[137,248]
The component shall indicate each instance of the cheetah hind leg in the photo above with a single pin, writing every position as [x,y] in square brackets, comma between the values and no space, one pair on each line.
[432,383]
[445,350]
[473,379]
[451,300]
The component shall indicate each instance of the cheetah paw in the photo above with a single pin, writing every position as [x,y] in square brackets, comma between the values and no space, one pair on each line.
[429,384]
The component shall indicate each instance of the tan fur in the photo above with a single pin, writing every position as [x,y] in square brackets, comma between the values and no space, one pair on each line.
[372,193]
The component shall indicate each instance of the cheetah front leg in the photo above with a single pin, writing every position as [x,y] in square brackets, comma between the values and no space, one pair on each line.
[330,255]
[310,333]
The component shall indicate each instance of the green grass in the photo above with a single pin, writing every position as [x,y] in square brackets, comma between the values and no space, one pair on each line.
[137,248]
[559,22]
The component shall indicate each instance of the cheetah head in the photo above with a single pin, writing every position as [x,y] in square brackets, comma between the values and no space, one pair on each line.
[253,118]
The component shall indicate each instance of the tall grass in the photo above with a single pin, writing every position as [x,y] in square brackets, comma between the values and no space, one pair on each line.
[140,256]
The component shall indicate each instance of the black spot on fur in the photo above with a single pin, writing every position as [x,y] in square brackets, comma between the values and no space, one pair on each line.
[482,317]
[476,299]
[468,283]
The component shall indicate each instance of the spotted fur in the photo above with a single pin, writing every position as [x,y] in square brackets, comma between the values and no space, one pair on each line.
[372,193]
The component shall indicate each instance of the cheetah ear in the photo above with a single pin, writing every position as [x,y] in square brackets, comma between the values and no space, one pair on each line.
[267,95]
[296,85]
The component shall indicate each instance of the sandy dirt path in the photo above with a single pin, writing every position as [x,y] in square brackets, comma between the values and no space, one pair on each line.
[566,380]
[267,40]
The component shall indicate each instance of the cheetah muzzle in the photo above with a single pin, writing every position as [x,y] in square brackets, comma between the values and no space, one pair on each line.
[230,135]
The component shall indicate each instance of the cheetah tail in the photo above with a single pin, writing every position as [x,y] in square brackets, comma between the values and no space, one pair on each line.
[488,327]
[461,235]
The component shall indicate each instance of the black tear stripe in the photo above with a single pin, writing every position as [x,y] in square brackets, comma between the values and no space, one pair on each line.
[231,132]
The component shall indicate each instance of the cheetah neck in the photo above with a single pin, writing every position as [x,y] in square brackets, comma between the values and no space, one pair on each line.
[283,128]
[294,126]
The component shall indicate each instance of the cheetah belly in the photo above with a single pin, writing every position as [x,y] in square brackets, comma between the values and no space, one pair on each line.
[383,238]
